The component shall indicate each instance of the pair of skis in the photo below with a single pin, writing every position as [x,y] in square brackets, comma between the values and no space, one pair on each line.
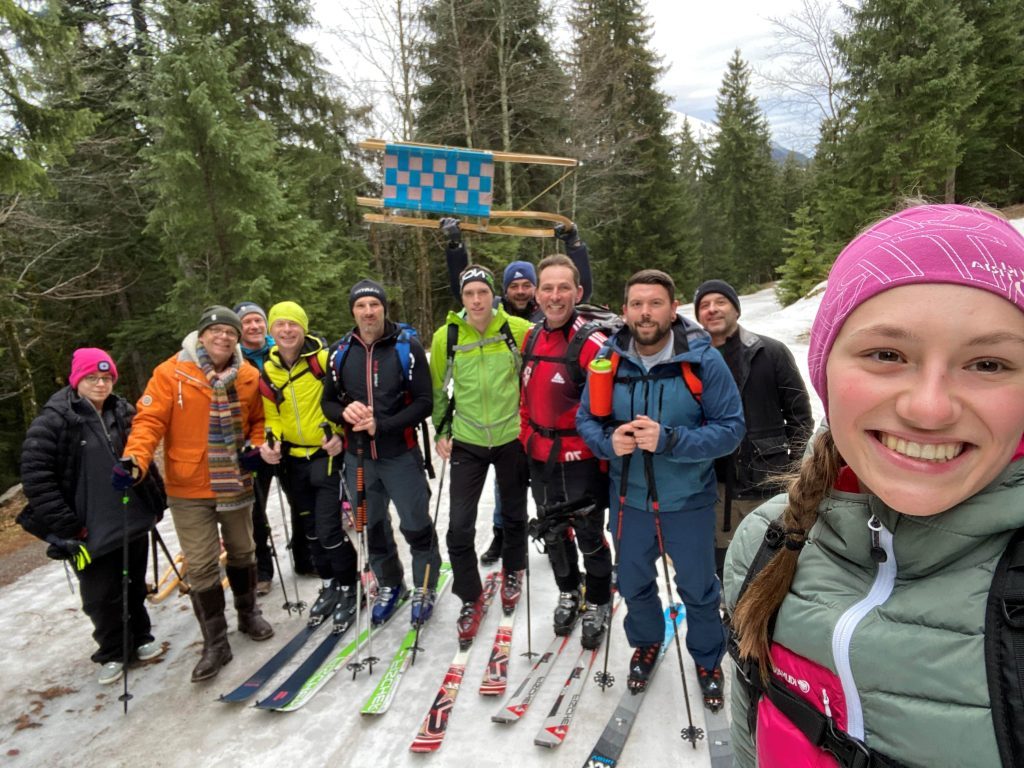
[317,669]
[435,725]
[556,724]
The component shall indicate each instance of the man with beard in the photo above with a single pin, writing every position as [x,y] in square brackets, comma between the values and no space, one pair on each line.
[674,410]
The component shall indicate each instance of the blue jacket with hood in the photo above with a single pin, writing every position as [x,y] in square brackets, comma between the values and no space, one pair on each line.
[693,434]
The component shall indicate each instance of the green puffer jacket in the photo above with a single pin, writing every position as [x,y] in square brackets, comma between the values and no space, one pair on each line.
[485,377]
[917,659]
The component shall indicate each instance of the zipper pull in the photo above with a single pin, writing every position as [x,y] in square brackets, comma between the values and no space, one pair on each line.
[877,553]
[824,700]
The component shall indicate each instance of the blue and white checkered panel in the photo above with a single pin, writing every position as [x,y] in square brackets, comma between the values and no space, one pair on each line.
[438,179]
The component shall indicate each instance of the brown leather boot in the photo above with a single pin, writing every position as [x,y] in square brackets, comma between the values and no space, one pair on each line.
[250,617]
[209,608]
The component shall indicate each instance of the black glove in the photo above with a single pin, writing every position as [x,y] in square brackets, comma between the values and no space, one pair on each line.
[249,459]
[72,550]
[567,234]
[125,473]
[450,227]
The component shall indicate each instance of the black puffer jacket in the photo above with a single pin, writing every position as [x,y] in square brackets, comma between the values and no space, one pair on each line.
[66,460]
[777,412]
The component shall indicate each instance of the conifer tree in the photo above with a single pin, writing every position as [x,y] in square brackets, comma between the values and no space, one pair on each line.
[743,186]
[912,76]
[805,264]
[628,192]
[227,229]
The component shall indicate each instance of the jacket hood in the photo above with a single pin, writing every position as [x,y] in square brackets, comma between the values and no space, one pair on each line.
[689,340]
[189,353]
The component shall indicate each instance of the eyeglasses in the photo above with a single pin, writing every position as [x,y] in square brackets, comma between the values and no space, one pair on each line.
[226,332]
[97,380]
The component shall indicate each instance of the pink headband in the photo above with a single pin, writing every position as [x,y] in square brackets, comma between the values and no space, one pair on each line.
[926,244]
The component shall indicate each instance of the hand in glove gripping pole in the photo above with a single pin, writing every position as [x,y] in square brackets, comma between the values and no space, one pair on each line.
[71,550]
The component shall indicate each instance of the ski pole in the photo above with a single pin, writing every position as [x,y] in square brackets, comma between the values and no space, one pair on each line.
[357,665]
[125,614]
[690,733]
[261,499]
[529,653]
[298,606]
[604,678]
[426,571]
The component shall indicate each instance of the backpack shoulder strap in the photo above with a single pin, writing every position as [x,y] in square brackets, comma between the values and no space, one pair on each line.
[337,359]
[1004,651]
[270,390]
[693,382]
[406,334]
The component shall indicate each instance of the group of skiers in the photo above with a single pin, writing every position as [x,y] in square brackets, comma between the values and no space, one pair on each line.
[855,600]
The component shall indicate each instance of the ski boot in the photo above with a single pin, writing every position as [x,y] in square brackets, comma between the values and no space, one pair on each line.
[567,612]
[468,622]
[110,673]
[423,605]
[511,589]
[641,666]
[711,687]
[492,554]
[386,603]
[345,608]
[596,619]
[325,602]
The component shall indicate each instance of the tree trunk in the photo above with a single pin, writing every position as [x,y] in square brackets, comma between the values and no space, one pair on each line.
[463,87]
[951,185]
[22,373]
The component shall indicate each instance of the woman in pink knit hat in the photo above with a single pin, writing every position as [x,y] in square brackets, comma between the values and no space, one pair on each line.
[65,472]
[870,627]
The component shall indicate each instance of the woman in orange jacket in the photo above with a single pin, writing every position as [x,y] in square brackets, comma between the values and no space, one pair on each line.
[204,403]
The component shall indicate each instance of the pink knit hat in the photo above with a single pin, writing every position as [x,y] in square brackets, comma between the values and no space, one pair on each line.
[926,244]
[87,360]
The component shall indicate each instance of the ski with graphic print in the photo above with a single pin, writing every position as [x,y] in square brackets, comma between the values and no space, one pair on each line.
[608,750]
[386,689]
[435,724]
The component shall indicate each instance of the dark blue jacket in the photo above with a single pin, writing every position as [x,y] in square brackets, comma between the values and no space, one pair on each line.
[693,435]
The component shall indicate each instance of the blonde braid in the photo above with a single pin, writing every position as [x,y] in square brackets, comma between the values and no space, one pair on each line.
[818,473]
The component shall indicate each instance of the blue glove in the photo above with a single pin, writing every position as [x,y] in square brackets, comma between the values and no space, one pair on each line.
[124,474]
[249,459]
[72,550]
[568,235]
[450,227]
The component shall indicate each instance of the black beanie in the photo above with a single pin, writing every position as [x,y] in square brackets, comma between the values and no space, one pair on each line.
[716,286]
[218,315]
[367,288]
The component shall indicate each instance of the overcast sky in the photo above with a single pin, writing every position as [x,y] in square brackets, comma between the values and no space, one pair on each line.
[696,39]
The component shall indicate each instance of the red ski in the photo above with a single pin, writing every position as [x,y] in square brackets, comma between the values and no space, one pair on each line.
[435,724]
[496,675]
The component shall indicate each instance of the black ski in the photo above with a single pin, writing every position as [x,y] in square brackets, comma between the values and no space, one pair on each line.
[290,688]
[276,662]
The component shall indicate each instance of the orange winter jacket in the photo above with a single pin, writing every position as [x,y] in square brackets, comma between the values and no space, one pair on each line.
[176,408]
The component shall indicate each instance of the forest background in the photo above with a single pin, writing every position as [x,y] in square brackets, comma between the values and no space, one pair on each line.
[157,156]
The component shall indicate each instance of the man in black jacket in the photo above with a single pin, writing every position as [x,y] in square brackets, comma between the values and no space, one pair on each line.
[379,388]
[776,409]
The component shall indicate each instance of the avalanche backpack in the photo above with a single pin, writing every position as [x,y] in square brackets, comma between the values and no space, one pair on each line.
[403,347]
[1004,666]
[598,319]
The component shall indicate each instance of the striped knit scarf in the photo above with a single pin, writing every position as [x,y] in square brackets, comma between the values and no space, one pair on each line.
[231,486]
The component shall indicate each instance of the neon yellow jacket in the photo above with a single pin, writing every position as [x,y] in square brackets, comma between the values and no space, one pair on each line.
[293,414]
[485,376]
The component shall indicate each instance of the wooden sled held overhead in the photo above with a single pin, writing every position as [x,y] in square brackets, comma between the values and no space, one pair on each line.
[454,182]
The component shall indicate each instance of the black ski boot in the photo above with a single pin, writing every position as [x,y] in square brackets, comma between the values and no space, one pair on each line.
[641,666]
[711,687]
[493,553]
[596,619]
[345,608]
[567,612]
